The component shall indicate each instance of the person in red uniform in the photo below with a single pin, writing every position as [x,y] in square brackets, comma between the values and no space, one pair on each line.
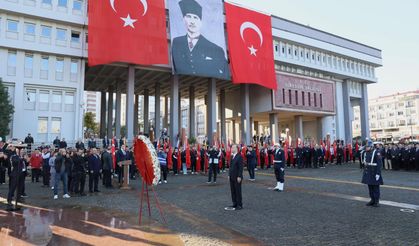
[36,163]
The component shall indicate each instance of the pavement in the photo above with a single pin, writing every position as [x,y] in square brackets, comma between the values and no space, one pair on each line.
[318,207]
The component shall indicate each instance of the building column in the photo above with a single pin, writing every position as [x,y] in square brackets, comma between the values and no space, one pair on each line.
[340,120]
[245,114]
[118,112]
[223,115]
[137,101]
[110,112]
[273,127]
[192,125]
[174,110]
[233,122]
[363,105]
[166,113]
[130,104]
[299,127]
[157,129]
[146,112]
[347,109]
[211,111]
[102,114]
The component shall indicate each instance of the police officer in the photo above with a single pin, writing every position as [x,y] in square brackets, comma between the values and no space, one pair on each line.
[373,163]
[279,166]
[213,156]
[16,177]
[251,162]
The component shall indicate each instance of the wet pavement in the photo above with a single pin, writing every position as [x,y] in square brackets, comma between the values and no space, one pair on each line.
[318,207]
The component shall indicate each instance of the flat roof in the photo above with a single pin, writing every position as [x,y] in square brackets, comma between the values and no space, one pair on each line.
[310,32]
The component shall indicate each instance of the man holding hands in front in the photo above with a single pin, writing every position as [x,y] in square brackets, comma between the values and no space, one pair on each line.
[235,177]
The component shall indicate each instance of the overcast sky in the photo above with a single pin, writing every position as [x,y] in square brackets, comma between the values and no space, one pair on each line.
[392,26]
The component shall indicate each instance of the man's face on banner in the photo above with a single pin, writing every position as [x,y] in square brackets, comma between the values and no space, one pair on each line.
[192,22]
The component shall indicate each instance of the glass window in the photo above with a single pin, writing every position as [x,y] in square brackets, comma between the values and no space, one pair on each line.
[61,34]
[77,4]
[46,31]
[56,97]
[62,3]
[30,95]
[44,63]
[75,37]
[11,60]
[69,98]
[60,65]
[56,125]
[74,67]
[44,96]
[12,25]
[30,28]
[47,2]
[28,61]
[42,125]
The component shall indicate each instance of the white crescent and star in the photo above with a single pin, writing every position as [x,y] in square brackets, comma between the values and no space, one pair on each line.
[128,21]
[250,25]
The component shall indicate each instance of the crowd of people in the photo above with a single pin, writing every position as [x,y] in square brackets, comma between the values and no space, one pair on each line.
[65,169]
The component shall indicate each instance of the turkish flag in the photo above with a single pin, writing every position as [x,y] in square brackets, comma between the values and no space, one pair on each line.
[251,47]
[131,31]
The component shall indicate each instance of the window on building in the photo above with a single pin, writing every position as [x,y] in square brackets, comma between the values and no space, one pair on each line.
[77,5]
[400,113]
[69,101]
[11,63]
[28,65]
[74,70]
[44,67]
[283,96]
[56,100]
[309,99]
[315,100]
[283,50]
[30,99]
[75,37]
[61,34]
[42,125]
[49,2]
[56,125]
[62,3]
[46,31]
[30,28]
[296,97]
[289,97]
[321,101]
[303,98]
[59,69]
[44,100]
[12,25]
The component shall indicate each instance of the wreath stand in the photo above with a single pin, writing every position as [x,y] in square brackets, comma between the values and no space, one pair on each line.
[144,191]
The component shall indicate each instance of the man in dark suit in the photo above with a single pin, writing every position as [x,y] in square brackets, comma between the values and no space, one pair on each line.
[235,176]
[193,53]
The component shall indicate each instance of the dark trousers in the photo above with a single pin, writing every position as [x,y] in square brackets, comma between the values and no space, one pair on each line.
[212,170]
[339,160]
[93,181]
[16,183]
[374,191]
[2,175]
[193,166]
[164,171]
[279,174]
[70,184]
[46,175]
[299,163]
[132,170]
[251,170]
[79,182]
[202,164]
[315,162]
[321,162]
[107,178]
[120,174]
[36,172]
[236,192]
[175,167]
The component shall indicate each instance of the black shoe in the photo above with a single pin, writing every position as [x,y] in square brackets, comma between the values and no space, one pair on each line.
[239,208]
[97,190]
[376,205]
[90,191]
[82,194]
[370,203]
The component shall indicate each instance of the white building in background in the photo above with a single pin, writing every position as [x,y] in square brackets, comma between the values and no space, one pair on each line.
[92,104]
[42,45]
[392,117]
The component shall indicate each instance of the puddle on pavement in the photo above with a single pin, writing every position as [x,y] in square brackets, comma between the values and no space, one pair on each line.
[75,226]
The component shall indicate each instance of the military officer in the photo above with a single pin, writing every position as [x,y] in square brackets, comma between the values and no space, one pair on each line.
[373,163]
[299,154]
[279,166]
[193,53]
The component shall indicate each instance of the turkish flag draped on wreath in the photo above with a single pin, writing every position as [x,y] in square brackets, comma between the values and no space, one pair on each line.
[131,31]
[250,46]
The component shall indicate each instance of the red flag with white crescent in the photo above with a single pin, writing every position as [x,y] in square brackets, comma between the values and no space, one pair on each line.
[131,31]
[250,46]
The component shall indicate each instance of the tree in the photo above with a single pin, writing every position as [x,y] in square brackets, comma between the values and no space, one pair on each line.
[6,111]
[89,122]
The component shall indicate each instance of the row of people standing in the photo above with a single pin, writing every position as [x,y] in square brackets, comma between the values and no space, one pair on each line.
[400,156]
